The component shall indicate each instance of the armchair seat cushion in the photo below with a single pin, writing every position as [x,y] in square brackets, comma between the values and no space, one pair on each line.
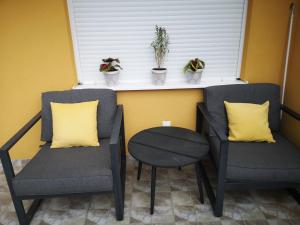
[276,162]
[66,171]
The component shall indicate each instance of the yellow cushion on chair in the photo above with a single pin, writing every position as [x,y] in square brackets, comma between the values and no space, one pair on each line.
[248,122]
[74,124]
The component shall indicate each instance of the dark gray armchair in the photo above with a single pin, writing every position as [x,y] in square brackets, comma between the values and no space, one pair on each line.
[242,164]
[76,171]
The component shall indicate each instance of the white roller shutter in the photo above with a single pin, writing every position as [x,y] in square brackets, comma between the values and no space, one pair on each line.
[212,30]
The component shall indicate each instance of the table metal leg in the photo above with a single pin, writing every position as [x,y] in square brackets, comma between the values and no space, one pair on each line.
[153,181]
[139,170]
[199,181]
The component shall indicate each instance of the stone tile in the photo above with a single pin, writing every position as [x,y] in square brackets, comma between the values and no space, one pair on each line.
[255,222]
[140,199]
[294,222]
[146,173]
[176,203]
[211,223]
[181,198]
[68,217]
[294,211]
[142,186]
[163,215]
[206,216]
[140,215]
[128,200]
[195,195]
[185,213]
[8,218]
[163,199]
[175,174]
[240,197]
[231,222]
[278,222]
[6,202]
[162,186]
[3,184]
[251,212]
[272,196]
[38,217]
[185,223]
[232,212]
[162,223]
[103,201]
[59,204]
[99,216]
[162,174]
[183,185]
[104,216]
[27,204]
[80,202]
[270,210]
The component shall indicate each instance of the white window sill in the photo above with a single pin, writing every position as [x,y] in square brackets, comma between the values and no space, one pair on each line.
[149,86]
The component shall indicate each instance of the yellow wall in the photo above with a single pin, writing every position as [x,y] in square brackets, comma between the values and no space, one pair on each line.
[292,96]
[265,42]
[36,56]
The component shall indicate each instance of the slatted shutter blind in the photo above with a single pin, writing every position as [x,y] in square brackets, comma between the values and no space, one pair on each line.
[212,30]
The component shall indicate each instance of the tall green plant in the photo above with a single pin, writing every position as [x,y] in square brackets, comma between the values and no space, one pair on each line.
[160,45]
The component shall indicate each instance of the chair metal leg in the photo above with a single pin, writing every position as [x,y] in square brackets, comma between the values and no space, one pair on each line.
[153,183]
[118,194]
[20,211]
[199,181]
[123,172]
[33,208]
[207,185]
[9,174]
[219,201]
[139,170]
[220,190]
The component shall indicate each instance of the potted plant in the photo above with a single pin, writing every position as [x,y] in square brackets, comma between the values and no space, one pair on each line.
[111,70]
[193,70]
[160,46]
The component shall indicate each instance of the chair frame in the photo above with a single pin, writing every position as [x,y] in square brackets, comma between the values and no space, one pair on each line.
[217,199]
[118,152]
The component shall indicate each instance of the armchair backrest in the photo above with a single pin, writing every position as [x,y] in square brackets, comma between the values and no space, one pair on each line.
[106,110]
[215,96]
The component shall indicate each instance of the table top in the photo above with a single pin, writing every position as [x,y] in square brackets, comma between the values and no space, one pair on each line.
[168,146]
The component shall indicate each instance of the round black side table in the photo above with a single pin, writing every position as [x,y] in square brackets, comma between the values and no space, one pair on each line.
[168,147]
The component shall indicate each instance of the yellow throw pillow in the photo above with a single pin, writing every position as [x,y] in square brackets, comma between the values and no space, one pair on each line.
[248,122]
[74,124]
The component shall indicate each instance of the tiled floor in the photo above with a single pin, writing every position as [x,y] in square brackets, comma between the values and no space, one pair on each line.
[176,203]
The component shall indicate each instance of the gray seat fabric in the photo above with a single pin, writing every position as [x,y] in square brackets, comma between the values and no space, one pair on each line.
[106,112]
[215,96]
[278,162]
[66,171]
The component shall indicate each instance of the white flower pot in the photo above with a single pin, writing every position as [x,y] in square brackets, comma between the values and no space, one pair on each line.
[194,77]
[111,77]
[159,76]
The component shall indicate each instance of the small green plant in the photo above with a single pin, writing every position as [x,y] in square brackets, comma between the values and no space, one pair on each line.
[194,65]
[109,65]
[160,45]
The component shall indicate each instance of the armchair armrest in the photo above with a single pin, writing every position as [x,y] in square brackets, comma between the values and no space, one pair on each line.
[116,130]
[290,112]
[211,122]
[221,165]
[13,140]
[4,150]
[117,139]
